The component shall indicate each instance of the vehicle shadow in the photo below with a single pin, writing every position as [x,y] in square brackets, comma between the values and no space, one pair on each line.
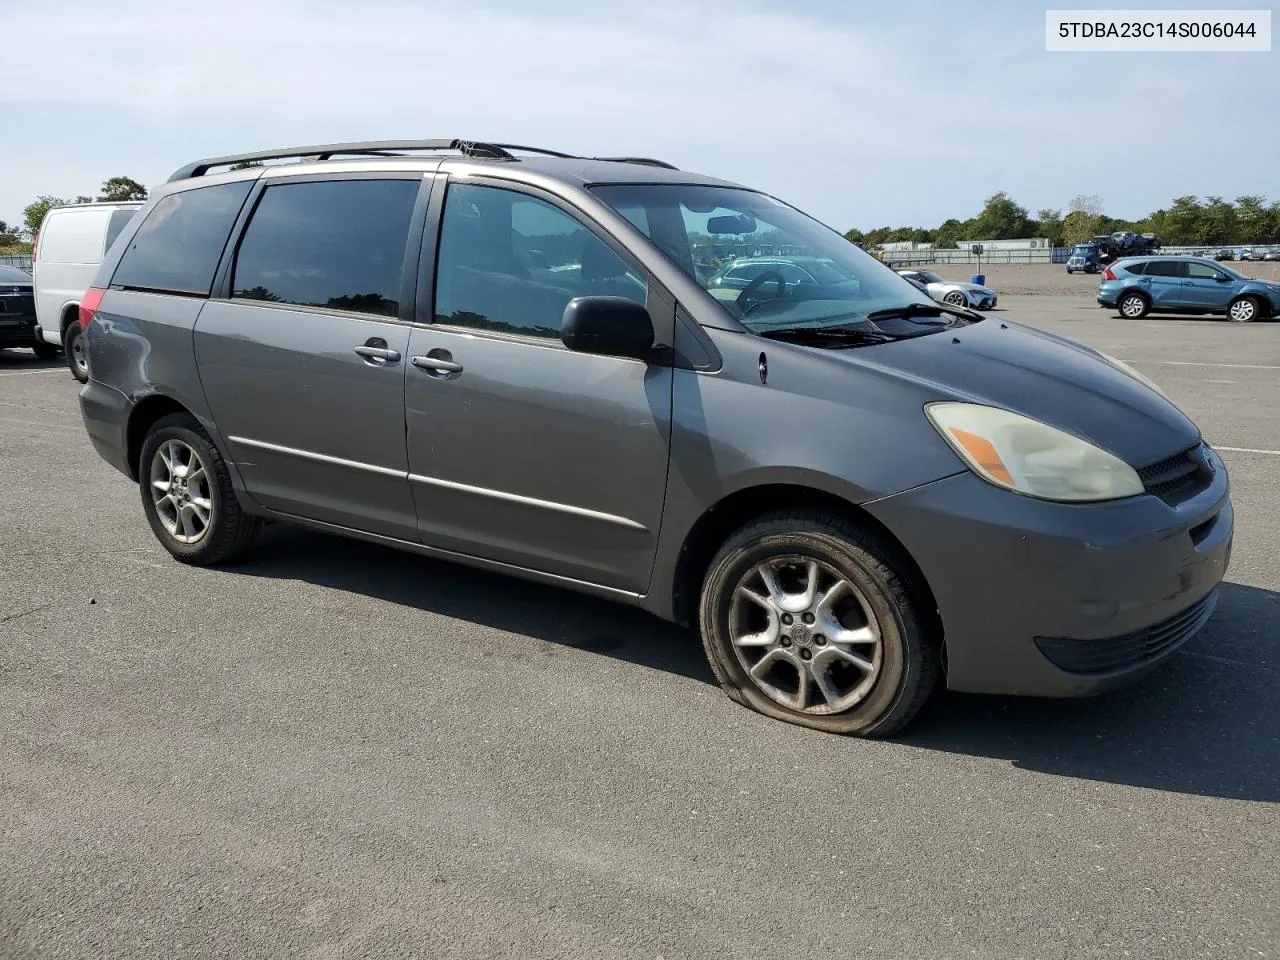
[1206,723]
[13,359]
[494,600]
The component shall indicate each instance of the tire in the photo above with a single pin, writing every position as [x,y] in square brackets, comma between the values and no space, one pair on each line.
[225,530]
[1070,271]
[44,350]
[1133,306]
[956,299]
[77,357]
[899,631]
[1244,309]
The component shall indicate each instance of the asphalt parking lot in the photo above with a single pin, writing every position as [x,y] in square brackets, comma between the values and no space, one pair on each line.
[336,750]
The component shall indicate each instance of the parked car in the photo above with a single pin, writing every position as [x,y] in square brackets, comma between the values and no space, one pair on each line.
[1187,285]
[1224,255]
[1084,258]
[18,313]
[68,250]
[959,293]
[1271,255]
[735,276]
[826,480]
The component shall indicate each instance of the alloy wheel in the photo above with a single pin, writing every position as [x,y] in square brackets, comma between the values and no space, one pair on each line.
[181,491]
[805,635]
[1132,307]
[1243,310]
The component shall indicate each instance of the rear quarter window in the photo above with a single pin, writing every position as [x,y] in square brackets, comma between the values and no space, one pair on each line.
[1136,268]
[177,248]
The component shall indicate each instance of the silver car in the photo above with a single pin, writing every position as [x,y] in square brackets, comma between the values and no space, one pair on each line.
[958,293]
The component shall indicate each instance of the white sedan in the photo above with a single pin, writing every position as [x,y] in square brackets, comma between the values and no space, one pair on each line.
[956,292]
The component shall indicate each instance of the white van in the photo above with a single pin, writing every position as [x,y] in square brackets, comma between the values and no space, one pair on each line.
[70,245]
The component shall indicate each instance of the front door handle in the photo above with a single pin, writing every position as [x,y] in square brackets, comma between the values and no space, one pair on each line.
[436,364]
[376,350]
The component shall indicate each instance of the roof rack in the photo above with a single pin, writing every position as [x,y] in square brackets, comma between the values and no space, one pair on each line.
[388,148]
[647,161]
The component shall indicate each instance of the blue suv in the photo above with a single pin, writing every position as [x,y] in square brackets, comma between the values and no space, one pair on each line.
[1191,285]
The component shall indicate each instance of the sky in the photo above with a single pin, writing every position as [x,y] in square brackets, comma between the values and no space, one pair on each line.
[863,113]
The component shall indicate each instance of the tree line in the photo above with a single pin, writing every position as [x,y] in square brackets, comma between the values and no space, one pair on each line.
[1188,221]
[114,190]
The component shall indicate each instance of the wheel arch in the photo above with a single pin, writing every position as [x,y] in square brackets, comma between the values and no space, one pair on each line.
[70,314]
[719,521]
[141,418]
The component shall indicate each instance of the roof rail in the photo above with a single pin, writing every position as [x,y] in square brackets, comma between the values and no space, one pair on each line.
[647,161]
[385,148]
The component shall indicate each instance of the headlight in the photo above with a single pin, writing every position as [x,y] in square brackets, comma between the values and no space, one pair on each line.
[1022,454]
[1125,368]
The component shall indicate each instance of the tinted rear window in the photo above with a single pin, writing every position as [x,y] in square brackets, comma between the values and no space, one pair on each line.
[337,244]
[1162,268]
[1138,268]
[176,249]
[119,220]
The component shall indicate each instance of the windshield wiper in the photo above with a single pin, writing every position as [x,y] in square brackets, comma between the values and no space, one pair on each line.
[908,310]
[832,336]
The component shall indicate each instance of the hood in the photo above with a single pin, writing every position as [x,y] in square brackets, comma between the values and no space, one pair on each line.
[1039,375]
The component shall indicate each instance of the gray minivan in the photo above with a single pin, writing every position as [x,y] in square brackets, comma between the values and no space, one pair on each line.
[505,357]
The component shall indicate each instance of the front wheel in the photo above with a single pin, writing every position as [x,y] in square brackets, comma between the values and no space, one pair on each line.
[1243,310]
[187,494]
[814,620]
[956,299]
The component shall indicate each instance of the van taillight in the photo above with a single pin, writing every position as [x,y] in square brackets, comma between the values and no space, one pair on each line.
[35,245]
[1107,274]
[89,306]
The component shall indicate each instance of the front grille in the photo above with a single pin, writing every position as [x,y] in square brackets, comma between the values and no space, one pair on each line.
[1179,477]
[1130,649]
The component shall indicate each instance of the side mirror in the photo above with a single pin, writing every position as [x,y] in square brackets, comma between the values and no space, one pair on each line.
[607,326]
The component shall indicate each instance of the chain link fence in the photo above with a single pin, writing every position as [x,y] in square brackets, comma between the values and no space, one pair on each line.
[20,260]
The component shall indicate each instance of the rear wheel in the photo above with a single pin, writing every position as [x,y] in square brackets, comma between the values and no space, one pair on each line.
[1244,309]
[187,494]
[811,619]
[44,350]
[77,357]
[1133,306]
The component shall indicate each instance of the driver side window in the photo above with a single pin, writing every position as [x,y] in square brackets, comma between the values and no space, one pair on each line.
[1202,271]
[511,262]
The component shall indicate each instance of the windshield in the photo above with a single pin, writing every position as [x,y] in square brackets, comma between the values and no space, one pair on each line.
[929,277]
[1082,249]
[767,264]
[13,275]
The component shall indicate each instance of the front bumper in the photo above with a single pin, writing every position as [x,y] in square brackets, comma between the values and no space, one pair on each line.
[1050,599]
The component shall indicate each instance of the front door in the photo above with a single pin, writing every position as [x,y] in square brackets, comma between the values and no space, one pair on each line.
[1206,287]
[303,366]
[521,451]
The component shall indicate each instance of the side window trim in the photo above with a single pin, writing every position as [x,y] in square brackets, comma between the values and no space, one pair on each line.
[656,299]
[223,275]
